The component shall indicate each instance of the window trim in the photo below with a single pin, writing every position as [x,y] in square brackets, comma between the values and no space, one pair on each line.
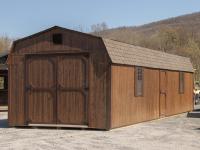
[136,75]
[181,83]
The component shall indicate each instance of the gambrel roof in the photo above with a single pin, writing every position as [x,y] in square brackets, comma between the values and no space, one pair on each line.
[127,54]
[122,53]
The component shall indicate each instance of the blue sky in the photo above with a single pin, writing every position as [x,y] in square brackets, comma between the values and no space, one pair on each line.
[20,18]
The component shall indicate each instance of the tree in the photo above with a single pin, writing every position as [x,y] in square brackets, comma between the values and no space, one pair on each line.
[168,39]
[97,28]
[5,43]
[193,51]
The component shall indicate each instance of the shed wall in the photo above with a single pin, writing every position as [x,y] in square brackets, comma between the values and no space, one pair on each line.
[127,109]
[73,42]
[176,102]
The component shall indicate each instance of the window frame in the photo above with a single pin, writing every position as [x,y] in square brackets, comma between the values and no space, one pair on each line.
[139,79]
[181,83]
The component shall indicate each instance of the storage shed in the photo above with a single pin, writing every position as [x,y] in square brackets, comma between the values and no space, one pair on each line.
[3,78]
[64,78]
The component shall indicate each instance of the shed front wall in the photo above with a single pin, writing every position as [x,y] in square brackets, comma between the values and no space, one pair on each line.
[73,42]
[126,109]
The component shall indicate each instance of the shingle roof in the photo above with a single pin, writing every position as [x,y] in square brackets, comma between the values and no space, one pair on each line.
[122,53]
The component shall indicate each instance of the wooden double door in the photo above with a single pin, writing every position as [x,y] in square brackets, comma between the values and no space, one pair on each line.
[56,89]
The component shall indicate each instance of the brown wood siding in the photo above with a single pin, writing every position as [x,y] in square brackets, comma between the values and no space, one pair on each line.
[176,102]
[163,92]
[16,91]
[72,94]
[73,42]
[127,109]
[40,91]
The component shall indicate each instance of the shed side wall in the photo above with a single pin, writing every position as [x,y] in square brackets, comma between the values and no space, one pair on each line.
[176,102]
[127,109]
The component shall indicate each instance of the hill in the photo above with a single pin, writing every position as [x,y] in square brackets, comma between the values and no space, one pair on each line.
[179,35]
[190,22]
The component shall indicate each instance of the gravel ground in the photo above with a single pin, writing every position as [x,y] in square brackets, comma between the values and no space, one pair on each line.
[174,133]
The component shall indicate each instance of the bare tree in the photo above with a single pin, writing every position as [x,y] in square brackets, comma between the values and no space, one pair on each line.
[5,43]
[97,28]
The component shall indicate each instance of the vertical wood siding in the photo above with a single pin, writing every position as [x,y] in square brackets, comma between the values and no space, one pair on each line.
[163,92]
[73,42]
[127,109]
[16,91]
[40,94]
[176,102]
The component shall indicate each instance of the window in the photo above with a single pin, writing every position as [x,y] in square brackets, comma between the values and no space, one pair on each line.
[181,82]
[57,38]
[2,83]
[138,81]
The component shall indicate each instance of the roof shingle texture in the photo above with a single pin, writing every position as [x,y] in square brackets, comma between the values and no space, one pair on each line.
[122,53]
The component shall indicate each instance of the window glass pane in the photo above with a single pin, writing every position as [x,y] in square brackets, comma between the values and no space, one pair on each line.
[2,80]
[181,82]
[138,81]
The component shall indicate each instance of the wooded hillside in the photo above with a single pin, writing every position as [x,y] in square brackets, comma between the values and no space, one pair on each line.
[179,35]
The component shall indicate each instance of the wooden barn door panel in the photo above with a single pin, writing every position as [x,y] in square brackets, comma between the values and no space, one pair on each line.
[72,80]
[163,87]
[40,90]
[40,107]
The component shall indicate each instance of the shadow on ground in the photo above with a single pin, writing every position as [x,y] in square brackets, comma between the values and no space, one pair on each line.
[195,113]
[4,123]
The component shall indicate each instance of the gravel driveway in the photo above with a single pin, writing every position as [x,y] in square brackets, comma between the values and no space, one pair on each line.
[177,132]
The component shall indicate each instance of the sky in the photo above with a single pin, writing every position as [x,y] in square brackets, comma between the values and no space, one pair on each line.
[20,18]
